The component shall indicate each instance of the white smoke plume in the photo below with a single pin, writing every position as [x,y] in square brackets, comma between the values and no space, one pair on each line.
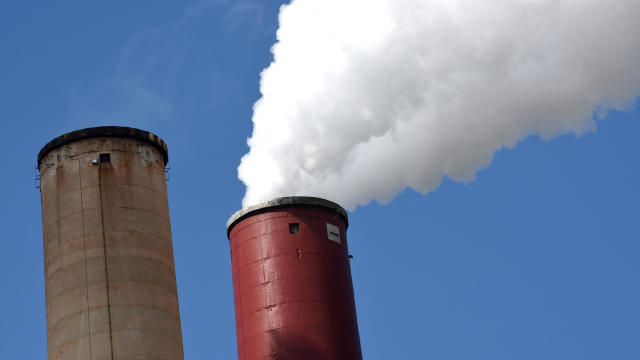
[365,98]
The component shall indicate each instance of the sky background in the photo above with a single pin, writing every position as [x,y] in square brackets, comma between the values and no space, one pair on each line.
[535,259]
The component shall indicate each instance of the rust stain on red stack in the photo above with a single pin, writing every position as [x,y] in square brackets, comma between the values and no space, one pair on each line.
[292,283]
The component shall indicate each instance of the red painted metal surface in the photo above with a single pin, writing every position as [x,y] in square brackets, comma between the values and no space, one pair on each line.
[292,291]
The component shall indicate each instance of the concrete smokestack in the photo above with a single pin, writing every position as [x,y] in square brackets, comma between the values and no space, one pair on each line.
[292,281]
[109,271]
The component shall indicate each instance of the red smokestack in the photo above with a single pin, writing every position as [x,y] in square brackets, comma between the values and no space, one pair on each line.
[292,281]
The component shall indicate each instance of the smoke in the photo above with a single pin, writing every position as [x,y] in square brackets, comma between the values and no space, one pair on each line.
[365,98]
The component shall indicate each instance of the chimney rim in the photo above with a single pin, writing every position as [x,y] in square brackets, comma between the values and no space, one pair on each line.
[286,202]
[106,131]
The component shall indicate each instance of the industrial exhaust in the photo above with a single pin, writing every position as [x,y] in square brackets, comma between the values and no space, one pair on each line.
[109,270]
[292,284]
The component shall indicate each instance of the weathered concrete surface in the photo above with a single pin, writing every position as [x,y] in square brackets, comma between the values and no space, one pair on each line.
[109,270]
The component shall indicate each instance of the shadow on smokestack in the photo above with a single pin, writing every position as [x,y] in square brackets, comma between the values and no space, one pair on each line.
[295,345]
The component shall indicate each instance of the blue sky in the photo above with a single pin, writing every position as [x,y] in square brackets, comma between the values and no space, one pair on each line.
[535,259]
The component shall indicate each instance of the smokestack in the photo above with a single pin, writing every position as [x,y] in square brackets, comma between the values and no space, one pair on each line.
[292,281]
[109,271]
